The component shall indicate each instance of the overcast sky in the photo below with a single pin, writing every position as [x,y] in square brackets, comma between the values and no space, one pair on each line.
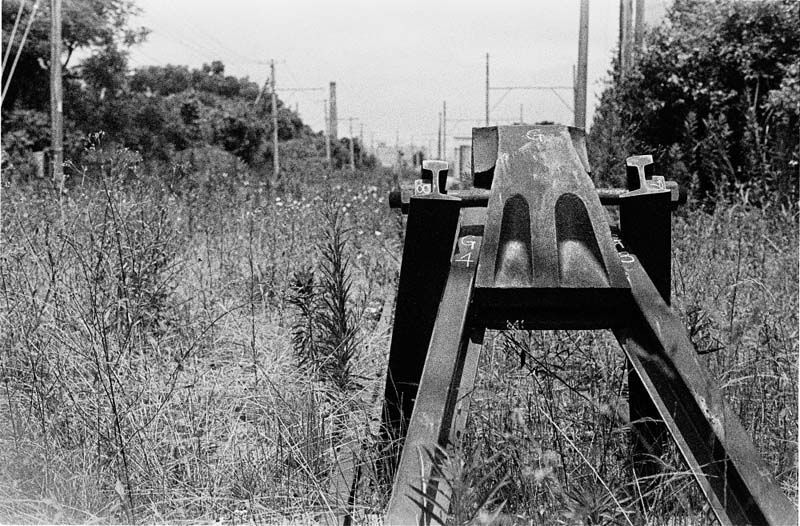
[393,62]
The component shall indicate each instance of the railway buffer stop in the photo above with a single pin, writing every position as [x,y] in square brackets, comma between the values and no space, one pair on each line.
[531,244]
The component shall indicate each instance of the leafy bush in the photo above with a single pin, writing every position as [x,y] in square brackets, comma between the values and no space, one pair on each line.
[710,98]
[325,335]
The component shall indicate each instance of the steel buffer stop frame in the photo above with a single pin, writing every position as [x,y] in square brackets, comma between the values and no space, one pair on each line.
[531,244]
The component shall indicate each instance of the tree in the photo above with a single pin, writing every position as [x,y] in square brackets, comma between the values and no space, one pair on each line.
[708,97]
[157,110]
[99,26]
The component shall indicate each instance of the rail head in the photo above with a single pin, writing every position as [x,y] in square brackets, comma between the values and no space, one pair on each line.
[476,197]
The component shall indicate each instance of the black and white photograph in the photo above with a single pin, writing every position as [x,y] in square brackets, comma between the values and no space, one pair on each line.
[400,262]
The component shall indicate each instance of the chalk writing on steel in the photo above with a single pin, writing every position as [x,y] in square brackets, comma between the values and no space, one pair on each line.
[421,187]
[467,250]
[535,135]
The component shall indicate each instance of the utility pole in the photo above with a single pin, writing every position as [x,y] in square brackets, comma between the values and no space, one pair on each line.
[521,120]
[327,136]
[625,29]
[56,95]
[583,52]
[360,143]
[276,167]
[399,168]
[334,118]
[439,138]
[444,129]
[352,147]
[638,28]
[274,98]
[487,89]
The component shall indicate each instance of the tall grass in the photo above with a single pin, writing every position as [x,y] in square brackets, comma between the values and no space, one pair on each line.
[184,346]
[147,363]
[735,285]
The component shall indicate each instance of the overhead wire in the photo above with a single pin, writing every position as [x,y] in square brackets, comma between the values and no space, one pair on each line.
[196,50]
[296,94]
[13,34]
[565,103]
[178,36]
[19,51]
[197,29]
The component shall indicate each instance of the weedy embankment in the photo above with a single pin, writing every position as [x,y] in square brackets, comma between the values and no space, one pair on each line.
[192,346]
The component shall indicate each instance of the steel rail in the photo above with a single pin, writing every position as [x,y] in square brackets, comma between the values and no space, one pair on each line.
[718,450]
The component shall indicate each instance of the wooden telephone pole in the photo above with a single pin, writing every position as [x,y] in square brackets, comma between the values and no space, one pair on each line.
[360,143]
[439,138]
[581,74]
[638,26]
[276,167]
[352,147]
[327,136]
[625,37]
[444,130]
[333,118]
[487,89]
[56,95]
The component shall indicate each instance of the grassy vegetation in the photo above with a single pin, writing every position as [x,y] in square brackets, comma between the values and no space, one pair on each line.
[191,347]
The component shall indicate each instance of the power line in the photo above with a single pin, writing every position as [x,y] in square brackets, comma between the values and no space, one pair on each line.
[171,34]
[19,51]
[199,50]
[508,89]
[194,29]
[532,87]
[13,34]
[187,23]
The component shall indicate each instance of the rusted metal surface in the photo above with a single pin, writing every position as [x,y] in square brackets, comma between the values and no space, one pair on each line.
[541,254]
[438,394]
[426,255]
[718,450]
[646,220]
[478,197]
[547,246]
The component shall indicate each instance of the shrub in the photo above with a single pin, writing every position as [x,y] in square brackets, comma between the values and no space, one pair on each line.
[708,98]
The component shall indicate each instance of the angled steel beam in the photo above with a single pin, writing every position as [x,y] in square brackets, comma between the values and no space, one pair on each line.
[718,450]
[430,231]
[645,221]
[438,394]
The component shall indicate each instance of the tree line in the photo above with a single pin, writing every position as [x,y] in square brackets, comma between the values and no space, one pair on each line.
[715,96]
[158,111]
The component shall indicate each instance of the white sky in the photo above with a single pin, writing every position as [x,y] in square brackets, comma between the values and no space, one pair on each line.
[393,62]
